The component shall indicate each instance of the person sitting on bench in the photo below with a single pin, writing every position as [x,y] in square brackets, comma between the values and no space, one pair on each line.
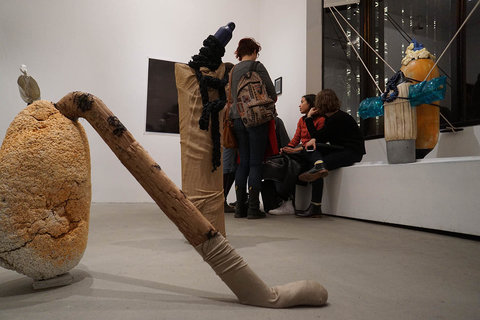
[339,143]
[296,147]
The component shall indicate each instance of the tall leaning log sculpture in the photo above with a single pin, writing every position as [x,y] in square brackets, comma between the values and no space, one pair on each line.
[209,243]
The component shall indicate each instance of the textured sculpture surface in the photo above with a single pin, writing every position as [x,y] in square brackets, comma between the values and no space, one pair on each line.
[45,193]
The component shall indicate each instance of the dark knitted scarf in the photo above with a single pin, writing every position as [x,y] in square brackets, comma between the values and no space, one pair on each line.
[210,56]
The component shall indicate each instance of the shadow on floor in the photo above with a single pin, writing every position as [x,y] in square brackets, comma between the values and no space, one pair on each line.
[19,292]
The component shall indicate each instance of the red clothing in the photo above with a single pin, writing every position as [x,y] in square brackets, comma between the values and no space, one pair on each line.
[272,145]
[302,135]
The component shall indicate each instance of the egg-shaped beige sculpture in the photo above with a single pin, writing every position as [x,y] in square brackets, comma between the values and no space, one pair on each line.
[45,193]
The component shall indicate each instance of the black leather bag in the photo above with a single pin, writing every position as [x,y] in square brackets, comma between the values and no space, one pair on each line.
[275,167]
[284,171]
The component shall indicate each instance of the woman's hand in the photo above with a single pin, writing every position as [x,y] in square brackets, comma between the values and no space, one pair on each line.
[311,143]
[312,112]
[290,150]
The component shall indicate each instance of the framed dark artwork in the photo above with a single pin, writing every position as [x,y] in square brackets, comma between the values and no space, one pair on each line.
[162,98]
[278,85]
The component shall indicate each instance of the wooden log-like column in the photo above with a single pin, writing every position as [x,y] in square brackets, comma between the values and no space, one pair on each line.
[400,117]
[173,202]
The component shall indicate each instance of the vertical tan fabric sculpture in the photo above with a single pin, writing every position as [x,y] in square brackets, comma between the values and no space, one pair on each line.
[202,185]
[45,193]
[210,244]
[201,99]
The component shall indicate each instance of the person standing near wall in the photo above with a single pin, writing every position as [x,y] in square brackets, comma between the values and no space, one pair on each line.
[229,155]
[252,141]
[340,131]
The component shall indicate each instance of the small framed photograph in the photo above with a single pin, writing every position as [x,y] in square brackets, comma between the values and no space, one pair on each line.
[278,85]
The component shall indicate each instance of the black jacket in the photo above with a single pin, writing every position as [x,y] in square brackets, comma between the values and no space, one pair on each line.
[340,129]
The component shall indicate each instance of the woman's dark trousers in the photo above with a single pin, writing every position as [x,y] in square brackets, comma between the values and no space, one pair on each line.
[252,143]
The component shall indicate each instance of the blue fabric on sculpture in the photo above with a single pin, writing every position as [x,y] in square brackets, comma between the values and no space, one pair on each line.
[371,107]
[427,92]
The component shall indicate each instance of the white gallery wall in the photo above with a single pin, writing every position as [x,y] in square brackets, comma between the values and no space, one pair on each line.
[102,47]
[282,32]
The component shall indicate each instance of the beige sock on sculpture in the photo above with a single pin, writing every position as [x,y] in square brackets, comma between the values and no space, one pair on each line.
[249,288]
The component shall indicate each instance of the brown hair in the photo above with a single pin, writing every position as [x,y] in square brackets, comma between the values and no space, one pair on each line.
[327,101]
[247,46]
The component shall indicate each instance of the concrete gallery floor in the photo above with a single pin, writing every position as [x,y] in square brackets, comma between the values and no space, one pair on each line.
[138,266]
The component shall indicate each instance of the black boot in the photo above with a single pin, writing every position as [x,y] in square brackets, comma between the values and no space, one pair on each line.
[254,205]
[241,205]
[228,208]
[313,211]
[228,179]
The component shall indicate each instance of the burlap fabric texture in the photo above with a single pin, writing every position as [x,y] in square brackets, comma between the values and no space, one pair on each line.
[202,186]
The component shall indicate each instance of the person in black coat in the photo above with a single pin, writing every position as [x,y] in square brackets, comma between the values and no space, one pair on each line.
[339,141]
